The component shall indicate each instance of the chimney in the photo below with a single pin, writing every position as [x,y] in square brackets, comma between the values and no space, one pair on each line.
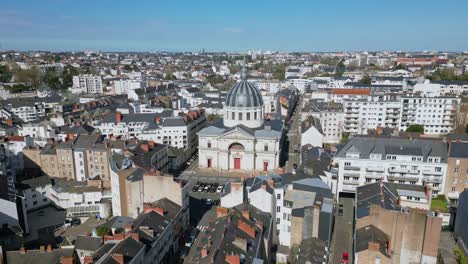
[49,248]
[157,119]
[118,237]
[389,248]
[70,136]
[271,182]
[373,246]
[204,252]
[87,260]
[22,250]
[118,117]
[246,214]
[66,260]
[144,147]
[151,144]
[232,259]
[119,258]
[221,212]
[41,248]
[9,122]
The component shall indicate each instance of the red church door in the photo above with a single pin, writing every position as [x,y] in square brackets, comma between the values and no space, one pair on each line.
[237,163]
[209,163]
[265,166]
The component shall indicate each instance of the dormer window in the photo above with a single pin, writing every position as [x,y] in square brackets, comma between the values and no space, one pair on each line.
[375,156]
[352,155]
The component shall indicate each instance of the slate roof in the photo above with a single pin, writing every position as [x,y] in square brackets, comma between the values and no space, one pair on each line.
[458,150]
[36,256]
[385,196]
[118,221]
[368,234]
[309,122]
[365,146]
[88,243]
[37,182]
[311,250]
[129,248]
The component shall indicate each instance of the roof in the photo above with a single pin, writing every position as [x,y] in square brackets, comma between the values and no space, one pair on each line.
[311,250]
[458,150]
[37,256]
[37,182]
[385,195]
[129,248]
[244,94]
[88,243]
[270,129]
[394,146]
[351,91]
[118,222]
[368,234]
[309,122]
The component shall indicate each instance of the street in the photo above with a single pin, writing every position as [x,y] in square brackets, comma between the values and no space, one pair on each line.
[342,240]
[294,138]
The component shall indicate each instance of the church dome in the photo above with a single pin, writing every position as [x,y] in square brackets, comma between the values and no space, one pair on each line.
[244,104]
[244,94]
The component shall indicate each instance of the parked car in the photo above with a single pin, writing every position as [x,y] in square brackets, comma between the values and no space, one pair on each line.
[200,189]
[195,188]
[207,188]
[345,258]
[220,188]
[340,211]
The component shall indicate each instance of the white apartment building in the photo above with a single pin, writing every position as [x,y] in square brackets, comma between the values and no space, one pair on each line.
[87,84]
[331,116]
[437,114]
[370,113]
[441,88]
[34,192]
[123,86]
[366,160]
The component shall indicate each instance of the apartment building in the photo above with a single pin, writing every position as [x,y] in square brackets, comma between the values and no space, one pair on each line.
[457,170]
[87,83]
[364,160]
[135,182]
[437,114]
[393,235]
[331,116]
[370,113]
[123,86]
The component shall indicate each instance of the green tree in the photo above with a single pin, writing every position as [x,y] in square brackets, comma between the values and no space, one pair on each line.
[52,79]
[366,80]
[415,128]
[5,74]
[460,255]
[18,88]
[32,75]
[103,231]
[344,138]
[340,69]
[67,76]
[279,72]
[127,68]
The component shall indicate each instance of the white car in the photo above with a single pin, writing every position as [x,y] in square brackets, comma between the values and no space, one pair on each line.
[219,189]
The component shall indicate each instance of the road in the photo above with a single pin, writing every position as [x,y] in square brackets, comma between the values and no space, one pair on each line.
[294,138]
[342,239]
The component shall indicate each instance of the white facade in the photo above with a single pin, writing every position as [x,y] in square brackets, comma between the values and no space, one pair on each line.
[437,114]
[123,86]
[87,84]
[332,123]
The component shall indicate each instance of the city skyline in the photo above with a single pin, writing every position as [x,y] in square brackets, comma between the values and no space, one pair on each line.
[303,27]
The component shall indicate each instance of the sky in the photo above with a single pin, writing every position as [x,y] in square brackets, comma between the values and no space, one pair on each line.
[222,25]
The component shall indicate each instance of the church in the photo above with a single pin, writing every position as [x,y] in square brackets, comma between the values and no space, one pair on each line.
[243,140]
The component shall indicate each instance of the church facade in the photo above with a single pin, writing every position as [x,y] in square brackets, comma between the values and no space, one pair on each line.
[243,140]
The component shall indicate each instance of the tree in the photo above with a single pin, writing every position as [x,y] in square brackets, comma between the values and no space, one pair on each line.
[344,138]
[18,88]
[32,75]
[366,80]
[5,74]
[67,76]
[52,79]
[103,231]
[279,72]
[415,128]
[119,230]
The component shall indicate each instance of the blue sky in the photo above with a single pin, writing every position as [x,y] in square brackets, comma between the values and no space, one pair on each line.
[63,25]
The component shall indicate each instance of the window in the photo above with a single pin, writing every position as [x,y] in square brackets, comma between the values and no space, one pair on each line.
[248,116]
[456,170]
[265,147]
[278,196]
[454,189]
[438,169]
[240,116]
[284,216]
[278,209]
[233,116]
[278,221]
[347,163]
[209,144]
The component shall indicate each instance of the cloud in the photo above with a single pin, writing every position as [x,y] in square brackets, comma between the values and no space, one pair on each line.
[233,29]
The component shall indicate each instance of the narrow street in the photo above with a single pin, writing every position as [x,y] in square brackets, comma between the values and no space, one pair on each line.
[342,239]
[294,138]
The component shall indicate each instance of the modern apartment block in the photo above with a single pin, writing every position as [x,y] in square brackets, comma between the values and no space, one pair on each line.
[331,116]
[437,114]
[87,84]
[364,160]
[457,170]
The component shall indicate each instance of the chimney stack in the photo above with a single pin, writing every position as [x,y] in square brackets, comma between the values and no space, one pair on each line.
[144,147]
[118,117]
[246,214]
[49,248]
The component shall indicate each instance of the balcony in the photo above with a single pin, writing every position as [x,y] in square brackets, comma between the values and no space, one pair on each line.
[351,182]
[351,174]
[351,168]
[431,172]
[401,170]
[402,178]
[377,169]
[375,175]
[432,179]
[453,195]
